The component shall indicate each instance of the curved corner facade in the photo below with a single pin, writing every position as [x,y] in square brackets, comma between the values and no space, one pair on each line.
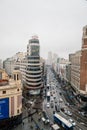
[33,68]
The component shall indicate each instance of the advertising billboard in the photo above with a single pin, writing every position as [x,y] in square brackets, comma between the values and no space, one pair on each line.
[4,108]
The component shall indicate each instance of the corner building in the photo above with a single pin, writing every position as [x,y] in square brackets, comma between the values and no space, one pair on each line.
[79,67]
[33,68]
[10,100]
[83,61]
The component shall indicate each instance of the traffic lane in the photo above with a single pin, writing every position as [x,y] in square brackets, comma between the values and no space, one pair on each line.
[49,112]
[59,90]
[75,114]
[26,125]
[77,123]
[38,121]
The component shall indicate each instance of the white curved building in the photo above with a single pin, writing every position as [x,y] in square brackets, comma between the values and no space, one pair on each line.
[33,68]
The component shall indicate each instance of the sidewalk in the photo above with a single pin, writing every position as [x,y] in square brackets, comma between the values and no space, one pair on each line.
[32,122]
[40,123]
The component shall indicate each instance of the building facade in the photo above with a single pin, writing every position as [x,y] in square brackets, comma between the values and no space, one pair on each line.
[8,65]
[79,67]
[75,70]
[10,99]
[61,68]
[33,80]
[49,59]
[83,61]
[1,64]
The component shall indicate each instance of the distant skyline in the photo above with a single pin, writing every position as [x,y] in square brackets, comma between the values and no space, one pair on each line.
[58,24]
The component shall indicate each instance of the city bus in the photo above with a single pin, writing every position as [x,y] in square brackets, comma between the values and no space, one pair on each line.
[64,123]
[48,96]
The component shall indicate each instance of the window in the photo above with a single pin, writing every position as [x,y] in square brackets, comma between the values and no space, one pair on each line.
[18,111]
[14,77]
[18,89]
[4,92]
[17,77]
[0,75]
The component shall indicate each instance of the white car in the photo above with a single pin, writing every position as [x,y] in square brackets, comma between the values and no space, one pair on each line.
[67,112]
[72,122]
[48,105]
[60,100]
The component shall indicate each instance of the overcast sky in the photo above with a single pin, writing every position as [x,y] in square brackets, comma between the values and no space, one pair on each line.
[58,24]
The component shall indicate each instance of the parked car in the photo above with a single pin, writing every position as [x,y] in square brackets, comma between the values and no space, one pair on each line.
[63,109]
[72,122]
[48,105]
[46,121]
[67,112]
[60,100]
[57,108]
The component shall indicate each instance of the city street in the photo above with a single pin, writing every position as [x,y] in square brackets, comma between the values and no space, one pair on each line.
[35,121]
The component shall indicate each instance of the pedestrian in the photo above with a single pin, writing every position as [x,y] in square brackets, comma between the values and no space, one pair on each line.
[23,123]
[31,118]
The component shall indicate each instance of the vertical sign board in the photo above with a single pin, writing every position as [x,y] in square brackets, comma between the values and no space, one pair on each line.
[4,108]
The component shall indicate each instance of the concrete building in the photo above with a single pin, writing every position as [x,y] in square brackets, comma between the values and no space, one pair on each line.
[10,99]
[75,70]
[49,59]
[8,65]
[79,67]
[68,72]
[19,56]
[54,62]
[33,80]
[83,62]
[61,67]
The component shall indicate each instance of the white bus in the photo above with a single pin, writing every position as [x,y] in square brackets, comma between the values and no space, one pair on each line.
[64,123]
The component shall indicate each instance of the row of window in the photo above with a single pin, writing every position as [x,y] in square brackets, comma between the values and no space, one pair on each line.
[36,67]
[33,65]
[33,69]
[33,62]
[33,73]
[33,81]
[33,77]
[34,41]
[34,58]
[4,91]
[33,85]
